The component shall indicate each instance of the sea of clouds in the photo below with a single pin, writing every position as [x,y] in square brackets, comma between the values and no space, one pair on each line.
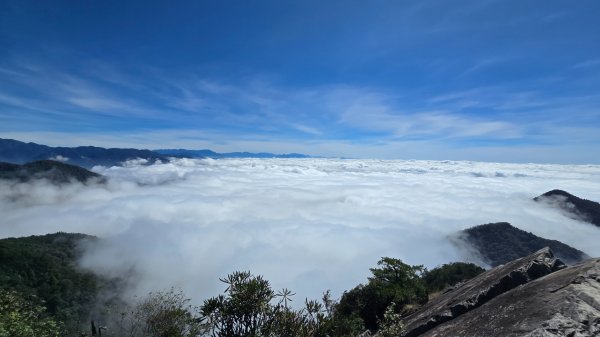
[305,224]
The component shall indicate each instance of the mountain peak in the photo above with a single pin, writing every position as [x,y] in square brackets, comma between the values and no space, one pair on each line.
[501,242]
[14,151]
[56,172]
[578,208]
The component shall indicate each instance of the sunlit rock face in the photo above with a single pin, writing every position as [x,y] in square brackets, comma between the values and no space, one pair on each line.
[474,293]
[532,296]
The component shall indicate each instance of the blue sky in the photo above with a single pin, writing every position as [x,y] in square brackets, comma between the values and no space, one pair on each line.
[514,81]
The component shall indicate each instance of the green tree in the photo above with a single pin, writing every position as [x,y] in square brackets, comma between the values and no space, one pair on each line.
[449,274]
[400,281]
[161,314]
[248,309]
[22,318]
[391,325]
[306,322]
[392,281]
[244,310]
[46,267]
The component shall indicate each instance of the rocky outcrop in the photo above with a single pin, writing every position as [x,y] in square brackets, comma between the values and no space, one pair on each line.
[565,303]
[474,293]
[535,296]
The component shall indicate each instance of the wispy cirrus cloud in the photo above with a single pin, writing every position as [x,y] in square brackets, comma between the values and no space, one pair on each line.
[375,112]
[587,64]
[168,104]
[482,65]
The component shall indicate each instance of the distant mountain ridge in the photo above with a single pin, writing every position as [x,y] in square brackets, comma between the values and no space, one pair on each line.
[17,152]
[500,242]
[55,172]
[215,155]
[583,209]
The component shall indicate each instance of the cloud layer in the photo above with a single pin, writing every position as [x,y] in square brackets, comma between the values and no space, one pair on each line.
[309,225]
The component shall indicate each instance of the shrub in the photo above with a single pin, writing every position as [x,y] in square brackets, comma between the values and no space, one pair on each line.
[24,318]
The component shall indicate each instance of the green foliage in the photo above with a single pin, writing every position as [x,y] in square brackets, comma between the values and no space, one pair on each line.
[246,309]
[309,321]
[393,281]
[450,274]
[391,325]
[160,314]
[399,280]
[22,318]
[45,267]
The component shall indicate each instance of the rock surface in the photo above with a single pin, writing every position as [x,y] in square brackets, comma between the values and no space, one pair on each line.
[474,293]
[535,296]
[564,303]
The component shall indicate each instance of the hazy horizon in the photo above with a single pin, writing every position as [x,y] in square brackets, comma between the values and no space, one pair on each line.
[526,159]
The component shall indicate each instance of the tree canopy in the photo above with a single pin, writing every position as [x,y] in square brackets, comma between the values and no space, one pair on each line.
[393,281]
[20,317]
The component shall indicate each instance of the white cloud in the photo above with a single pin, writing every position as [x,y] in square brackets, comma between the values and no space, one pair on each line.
[221,115]
[60,158]
[375,113]
[309,225]
[307,129]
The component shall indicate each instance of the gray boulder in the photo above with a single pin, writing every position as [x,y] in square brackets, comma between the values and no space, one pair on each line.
[564,303]
[535,296]
[468,296]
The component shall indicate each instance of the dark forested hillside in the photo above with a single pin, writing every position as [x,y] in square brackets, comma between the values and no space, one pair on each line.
[55,172]
[45,267]
[499,243]
[583,209]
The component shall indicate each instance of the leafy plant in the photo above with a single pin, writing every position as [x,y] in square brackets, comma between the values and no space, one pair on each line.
[247,309]
[391,325]
[243,311]
[450,274]
[46,267]
[161,314]
[392,281]
[25,318]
